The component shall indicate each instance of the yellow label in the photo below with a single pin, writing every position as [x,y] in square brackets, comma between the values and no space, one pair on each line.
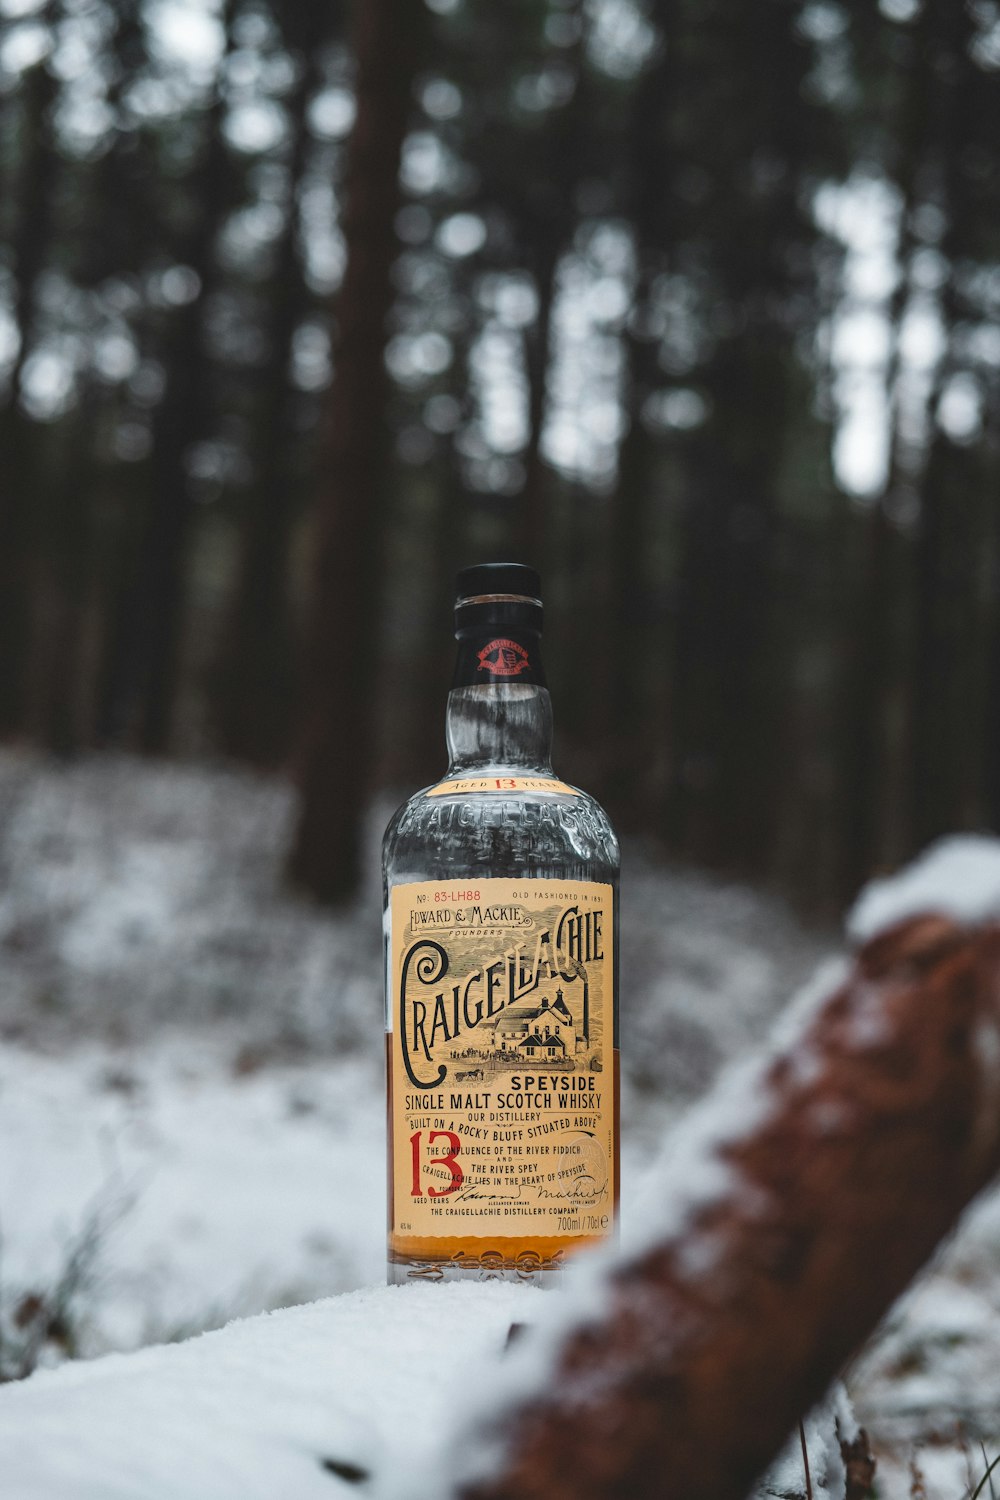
[501,784]
[502,1102]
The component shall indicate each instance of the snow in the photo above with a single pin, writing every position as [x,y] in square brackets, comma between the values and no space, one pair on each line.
[191,1118]
[139,898]
[370,1386]
[822,1428]
[956,877]
[364,1381]
[195,1058]
[843,1414]
[196,1192]
[307,1402]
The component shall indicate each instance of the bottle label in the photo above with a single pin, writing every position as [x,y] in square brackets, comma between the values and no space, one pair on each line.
[461,785]
[502,1106]
[498,654]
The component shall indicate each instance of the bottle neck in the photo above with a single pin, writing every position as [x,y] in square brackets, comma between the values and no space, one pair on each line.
[499,725]
[499,710]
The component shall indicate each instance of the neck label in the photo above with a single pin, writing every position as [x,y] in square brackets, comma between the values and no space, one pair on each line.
[496,655]
[503,657]
[465,784]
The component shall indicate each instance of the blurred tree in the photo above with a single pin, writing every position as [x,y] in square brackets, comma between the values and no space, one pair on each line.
[418,756]
[116,249]
[749,157]
[336,744]
[948,522]
[875,559]
[545,218]
[34,170]
[609,328]
[105,252]
[180,418]
[256,693]
[648,175]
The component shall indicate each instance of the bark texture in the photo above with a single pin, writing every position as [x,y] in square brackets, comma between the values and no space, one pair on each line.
[875,1128]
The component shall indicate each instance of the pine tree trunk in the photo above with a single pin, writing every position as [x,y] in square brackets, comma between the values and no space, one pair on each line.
[945,538]
[59,686]
[257,675]
[867,673]
[335,740]
[629,647]
[21,477]
[142,659]
[534,539]
[730,689]
[113,240]
[178,422]
[548,230]
[421,757]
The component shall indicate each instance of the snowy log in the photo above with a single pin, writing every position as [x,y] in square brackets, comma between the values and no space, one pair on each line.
[305,1404]
[798,1204]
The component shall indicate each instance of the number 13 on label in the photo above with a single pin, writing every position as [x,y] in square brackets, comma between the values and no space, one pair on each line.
[448,1160]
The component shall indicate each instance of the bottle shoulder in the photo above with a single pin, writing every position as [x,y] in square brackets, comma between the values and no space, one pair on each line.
[449,830]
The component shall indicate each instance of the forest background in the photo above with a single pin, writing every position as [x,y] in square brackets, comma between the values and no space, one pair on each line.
[695,306]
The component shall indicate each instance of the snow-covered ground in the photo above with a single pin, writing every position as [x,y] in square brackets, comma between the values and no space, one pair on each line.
[191,1112]
[382,1388]
[193,1192]
[302,1405]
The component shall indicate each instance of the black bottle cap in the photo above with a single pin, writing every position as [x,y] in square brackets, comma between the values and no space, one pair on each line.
[499,578]
[498,620]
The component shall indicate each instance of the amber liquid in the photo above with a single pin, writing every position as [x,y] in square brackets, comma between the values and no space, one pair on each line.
[531,1258]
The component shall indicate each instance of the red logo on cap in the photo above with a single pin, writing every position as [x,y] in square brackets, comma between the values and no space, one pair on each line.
[503,658]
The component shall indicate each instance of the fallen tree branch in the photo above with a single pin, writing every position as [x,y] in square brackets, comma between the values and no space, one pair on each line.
[868,1133]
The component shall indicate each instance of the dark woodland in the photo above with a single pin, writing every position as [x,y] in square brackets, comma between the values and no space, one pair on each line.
[695,306]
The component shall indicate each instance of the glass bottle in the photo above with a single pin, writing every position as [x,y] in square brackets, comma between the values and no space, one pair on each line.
[501,944]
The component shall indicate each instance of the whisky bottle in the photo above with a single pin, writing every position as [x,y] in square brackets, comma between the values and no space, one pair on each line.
[501,954]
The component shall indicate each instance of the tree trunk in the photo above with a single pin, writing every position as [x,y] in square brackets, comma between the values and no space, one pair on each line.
[178,422]
[730,680]
[945,538]
[139,678]
[534,538]
[256,680]
[867,675]
[693,1360]
[651,169]
[335,743]
[868,669]
[422,755]
[548,229]
[119,225]
[18,498]
[60,684]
